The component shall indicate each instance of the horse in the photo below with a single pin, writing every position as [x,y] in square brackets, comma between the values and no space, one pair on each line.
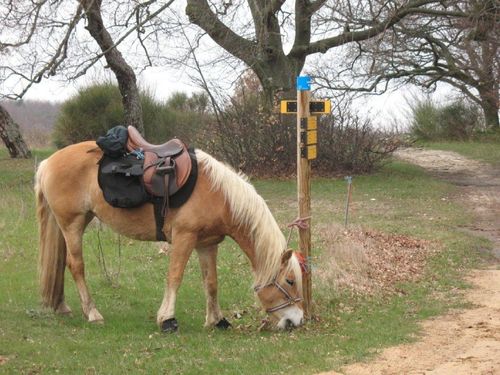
[223,203]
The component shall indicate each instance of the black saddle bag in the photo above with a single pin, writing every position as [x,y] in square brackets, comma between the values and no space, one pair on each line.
[114,142]
[120,180]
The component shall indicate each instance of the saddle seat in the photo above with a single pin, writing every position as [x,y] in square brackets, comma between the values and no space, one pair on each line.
[170,148]
[166,166]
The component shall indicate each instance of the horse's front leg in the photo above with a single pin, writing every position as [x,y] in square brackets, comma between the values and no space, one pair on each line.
[182,247]
[208,265]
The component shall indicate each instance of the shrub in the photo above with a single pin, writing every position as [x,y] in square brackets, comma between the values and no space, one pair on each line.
[425,122]
[188,114]
[250,138]
[351,145]
[97,108]
[456,121]
[90,113]
[263,143]
[460,120]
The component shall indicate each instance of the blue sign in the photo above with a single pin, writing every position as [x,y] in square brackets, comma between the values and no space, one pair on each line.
[303,83]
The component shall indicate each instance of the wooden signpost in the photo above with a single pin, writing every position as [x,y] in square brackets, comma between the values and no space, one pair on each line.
[307,139]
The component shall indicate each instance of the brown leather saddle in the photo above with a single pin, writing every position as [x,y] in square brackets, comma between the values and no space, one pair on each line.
[166,166]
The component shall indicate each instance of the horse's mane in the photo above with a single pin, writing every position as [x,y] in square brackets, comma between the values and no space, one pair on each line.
[250,210]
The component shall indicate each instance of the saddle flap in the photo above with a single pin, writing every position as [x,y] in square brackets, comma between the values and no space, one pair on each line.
[182,170]
[150,159]
[159,185]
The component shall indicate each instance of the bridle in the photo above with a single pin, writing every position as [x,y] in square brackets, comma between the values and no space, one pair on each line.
[289,299]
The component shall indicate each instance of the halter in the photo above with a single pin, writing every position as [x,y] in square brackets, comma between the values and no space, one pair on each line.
[289,299]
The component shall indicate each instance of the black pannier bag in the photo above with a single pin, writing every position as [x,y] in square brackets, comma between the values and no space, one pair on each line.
[120,180]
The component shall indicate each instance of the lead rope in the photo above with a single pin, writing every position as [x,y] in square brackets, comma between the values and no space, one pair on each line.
[299,223]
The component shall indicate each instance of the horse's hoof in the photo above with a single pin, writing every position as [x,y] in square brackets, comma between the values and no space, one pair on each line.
[223,324]
[95,317]
[63,309]
[169,325]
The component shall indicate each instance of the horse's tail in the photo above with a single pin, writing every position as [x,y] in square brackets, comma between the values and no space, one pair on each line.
[52,257]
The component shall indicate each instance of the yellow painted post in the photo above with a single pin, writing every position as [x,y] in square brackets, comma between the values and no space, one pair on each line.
[304,188]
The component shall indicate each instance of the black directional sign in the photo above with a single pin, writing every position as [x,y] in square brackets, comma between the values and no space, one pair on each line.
[316,107]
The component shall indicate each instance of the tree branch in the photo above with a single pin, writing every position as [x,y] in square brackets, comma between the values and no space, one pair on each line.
[352,36]
[316,5]
[55,61]
[31,32]
[137,26]
[302,29]
[200,14]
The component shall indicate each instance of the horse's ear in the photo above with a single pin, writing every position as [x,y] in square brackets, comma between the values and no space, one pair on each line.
[286,256]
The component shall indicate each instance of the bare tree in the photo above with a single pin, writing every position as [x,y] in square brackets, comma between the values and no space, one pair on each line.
[256,31]
[41,39]
[11,136]
[456,42]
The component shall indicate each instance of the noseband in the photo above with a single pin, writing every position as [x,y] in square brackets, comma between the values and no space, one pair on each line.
[289,299]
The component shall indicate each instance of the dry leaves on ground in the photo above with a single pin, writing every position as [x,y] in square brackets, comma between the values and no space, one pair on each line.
[368,262]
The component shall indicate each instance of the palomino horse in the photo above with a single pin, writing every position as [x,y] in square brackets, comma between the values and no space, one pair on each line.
[222,204]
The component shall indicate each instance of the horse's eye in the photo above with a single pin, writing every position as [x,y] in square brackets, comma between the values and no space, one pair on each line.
[290,282]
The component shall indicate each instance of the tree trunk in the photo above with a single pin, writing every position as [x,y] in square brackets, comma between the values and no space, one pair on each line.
[11,136]
[124,74]
[278,79]
[489,105]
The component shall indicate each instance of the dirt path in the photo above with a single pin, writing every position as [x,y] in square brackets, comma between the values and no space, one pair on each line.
[465,341]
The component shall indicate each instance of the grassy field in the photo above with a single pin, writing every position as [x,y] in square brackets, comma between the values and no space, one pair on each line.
[483,151]
[399,199]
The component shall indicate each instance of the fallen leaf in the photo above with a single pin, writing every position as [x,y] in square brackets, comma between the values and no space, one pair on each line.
[3,360]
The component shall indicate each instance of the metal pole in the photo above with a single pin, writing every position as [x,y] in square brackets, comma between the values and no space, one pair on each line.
[348,199]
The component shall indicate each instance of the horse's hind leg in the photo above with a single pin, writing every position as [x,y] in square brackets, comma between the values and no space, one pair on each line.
[208,265]
[73,233]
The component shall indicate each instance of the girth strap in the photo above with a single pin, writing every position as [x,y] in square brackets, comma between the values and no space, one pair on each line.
[159,218]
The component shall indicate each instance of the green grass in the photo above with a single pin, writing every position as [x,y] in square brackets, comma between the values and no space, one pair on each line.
[483,151]
[398,199]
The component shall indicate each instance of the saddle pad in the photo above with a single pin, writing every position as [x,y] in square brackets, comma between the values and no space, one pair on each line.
[178,199]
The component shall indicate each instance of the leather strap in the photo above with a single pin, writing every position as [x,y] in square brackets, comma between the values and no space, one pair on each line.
[289,299]
[166,180]
[159,218]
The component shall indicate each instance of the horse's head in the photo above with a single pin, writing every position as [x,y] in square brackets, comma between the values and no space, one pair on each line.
[282,297]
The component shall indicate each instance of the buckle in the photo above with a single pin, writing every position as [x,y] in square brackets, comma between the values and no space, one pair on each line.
[162,168]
